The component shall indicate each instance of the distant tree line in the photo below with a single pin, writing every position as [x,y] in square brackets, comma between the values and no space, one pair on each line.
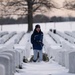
[36,19]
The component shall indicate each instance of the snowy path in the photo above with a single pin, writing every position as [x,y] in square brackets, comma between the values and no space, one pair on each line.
[43,68]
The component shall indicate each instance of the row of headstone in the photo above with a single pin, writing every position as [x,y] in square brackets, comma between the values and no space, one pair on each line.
[64,56]
[66,37]
[67,59]
[25,47]
[6,37]
[10,59]
[19,37]
[70,34]
[21,49]
[54,37]
[3,33]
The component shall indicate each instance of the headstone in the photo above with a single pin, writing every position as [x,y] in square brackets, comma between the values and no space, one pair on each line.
[67,58]
[28,50]
[62,58]
[20,47]
[2,69]
[11,61]
[72,62]
[14,58]
[5,60]
[19,58]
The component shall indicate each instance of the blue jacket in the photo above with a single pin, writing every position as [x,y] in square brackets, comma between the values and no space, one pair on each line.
[37,40]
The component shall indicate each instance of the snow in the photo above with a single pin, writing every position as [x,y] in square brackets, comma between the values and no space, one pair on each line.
[50,40]
[11,40]
[40,68]
[43,68]
[60,26]
[15,27]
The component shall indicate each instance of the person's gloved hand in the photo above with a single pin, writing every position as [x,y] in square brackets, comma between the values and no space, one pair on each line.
[40,42]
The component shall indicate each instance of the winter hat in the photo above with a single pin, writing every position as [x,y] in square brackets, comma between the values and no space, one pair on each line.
[37,26]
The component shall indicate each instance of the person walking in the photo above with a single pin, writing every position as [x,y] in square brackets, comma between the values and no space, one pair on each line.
[37,43]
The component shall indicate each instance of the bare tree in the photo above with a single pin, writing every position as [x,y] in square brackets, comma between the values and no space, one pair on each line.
[69,4]
[28,8]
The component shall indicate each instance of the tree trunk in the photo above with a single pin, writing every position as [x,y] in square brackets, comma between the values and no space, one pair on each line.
[30,16]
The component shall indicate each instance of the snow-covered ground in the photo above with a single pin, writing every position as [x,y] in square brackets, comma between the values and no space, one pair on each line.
[43,68]
[60,26]
[40,68]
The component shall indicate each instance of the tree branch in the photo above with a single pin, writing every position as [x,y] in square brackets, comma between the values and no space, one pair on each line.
[17,3]
[69,5]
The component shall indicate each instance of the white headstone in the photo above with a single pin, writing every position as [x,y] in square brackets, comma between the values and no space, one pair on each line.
[11,61]
[2,69]
[67,58]
[62,58]
[14,58]
[19,58]
[72,62]
[5,60]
